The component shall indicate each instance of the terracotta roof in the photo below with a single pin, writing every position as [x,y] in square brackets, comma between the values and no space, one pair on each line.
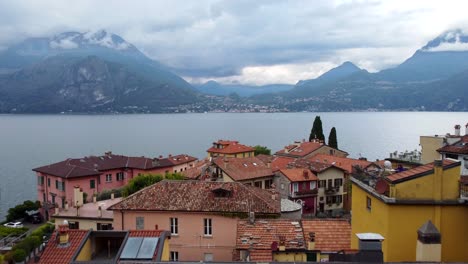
[330,235]
[146,233]
[419,171]
[464,179]
[262,233]
[299,175]
[94,165]
[180,159]
[314,166]
[230,147]
[199,196]
[57,254]
[197,169]
[300,149]
[459,147]
[343,163]
[240,169]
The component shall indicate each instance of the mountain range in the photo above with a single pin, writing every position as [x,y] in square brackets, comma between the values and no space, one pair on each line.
[100,72]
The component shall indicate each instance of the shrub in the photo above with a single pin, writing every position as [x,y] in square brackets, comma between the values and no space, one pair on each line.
[145,180]
[19,255]
[106,194]
[19,211]
[6,231]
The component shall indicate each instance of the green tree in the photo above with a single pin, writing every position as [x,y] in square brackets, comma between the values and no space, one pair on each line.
[317,130]
[261,150]
[332,140]
[19,211]
[19,255]
[145,180]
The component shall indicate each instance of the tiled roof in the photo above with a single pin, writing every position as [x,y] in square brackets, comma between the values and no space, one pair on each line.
[90,210]
[57,254]
[145,233]
[343,163]
[330,235]
[240,169]
[199,196]
[314,166]
[464,179]
[230,147]
[300,149]
[299,175]
[459,147]
[263,233]
[418,171]
[180,159]
[197,169]
[94,165]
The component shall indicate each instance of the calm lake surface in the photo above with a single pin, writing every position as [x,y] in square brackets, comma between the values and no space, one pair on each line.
[29,141]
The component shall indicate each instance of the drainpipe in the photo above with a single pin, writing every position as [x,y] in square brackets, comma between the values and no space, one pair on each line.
[122,214]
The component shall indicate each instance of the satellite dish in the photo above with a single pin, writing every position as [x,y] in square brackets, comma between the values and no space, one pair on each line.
[387,164]
[65,222]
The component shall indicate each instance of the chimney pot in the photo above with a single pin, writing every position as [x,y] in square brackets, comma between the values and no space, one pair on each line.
[112,196]
[457,130]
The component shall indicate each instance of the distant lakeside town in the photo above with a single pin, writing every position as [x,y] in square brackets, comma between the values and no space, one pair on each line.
[308,202]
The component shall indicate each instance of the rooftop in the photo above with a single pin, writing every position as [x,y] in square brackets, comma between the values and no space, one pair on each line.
[90,210]
[330,235]
[300,149]
[343,163]
[459,147]
[299,175]
[201,196]
[229,147]
[240,169]
[419,171]
[57,254]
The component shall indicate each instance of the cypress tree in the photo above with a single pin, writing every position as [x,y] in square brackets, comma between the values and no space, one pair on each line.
[317,130]
[332,140]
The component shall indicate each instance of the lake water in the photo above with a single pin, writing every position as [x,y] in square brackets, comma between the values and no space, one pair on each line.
[29,141]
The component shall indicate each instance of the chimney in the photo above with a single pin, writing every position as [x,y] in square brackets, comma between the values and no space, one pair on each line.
[99,211]
[94,198]
[251,218]
[428,245]
[160,156]
[282,243]
[457,130]
[311,244]
[466,129]
[269,164]
[77,196]
[112,196]
[226,162]
[66,205]
[437,182]
[305,173]
[56,212]
[170,155]
[63,234]
[156,227]
[108,153]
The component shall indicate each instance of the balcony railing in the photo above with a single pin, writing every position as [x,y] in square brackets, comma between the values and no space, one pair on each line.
[302,193]
[332,190]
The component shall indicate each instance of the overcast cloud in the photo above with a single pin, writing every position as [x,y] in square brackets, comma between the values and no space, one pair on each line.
[247,41]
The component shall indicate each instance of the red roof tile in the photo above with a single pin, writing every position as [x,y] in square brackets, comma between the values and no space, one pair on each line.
[330,235]
[418,171]
[343,163]
[146,233]
[229,147]
[315,167]
[57,254]
[197,169]
[181,159]
[94,165]
[199,196]
[300,149]
[260,236]
[240,169]
[464,179]
[299,175]
[459,147]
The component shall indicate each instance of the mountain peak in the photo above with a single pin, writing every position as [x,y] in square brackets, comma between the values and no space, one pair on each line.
[451,40]
[341,71]
[100,38]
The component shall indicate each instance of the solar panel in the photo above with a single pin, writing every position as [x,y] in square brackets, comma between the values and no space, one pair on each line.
[147,248]
[131,248]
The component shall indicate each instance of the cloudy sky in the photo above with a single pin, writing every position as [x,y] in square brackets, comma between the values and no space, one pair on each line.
[247,41]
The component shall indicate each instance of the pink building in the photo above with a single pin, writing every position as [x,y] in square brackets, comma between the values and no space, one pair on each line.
[201,216]
[95,174]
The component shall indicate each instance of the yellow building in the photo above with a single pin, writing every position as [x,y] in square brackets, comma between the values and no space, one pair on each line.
[398,205]
[230,149]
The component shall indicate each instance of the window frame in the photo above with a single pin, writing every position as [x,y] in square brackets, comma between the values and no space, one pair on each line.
[174,256]
[208,227]
[174,226]
[140,223]
[109,177]
[92,184]
[368,203]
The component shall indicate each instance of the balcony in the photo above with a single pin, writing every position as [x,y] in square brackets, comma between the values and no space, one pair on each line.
[332,190]
[303,193]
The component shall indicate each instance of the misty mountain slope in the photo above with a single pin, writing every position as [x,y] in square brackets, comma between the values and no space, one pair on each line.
[215,88]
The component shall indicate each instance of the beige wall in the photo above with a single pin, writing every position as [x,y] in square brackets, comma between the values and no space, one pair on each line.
[332,174]
[429,146]
[85,224]
[190,241]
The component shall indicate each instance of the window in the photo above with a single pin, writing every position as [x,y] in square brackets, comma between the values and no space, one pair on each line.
[268,183]
[208,257]
[304,185]
[369,203]
[140,223]
[329,199]
[108,177]
[63,202]
[208,228]
[322,184]
[295,187]
[56,184]
[174,256]
[282,186]
[174,226]
[258,184]
[313,185]
[330,183]
[92,184]
[338,182]
[40,180]
[48,182]
[74,225]
[339,199]
[104,226]
[120,176]
[60,185]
